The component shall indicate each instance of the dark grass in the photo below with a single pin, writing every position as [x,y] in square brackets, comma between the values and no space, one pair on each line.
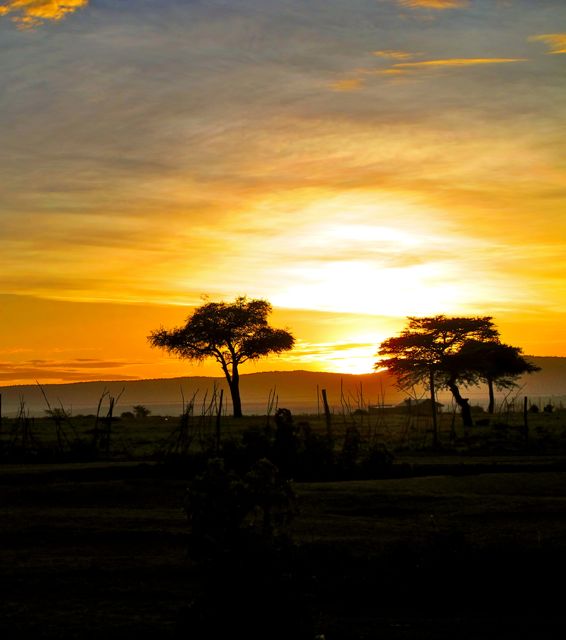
[468,541]
[153,437]
[102,549]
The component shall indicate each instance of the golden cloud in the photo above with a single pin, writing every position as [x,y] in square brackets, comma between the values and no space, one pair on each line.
[455,62]
[392,54]
[433,4]
[400,69]
[555,41]
[30,13]
[347,84]
[391,72]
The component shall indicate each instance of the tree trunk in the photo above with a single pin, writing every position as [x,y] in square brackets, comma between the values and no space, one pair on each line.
[491,406]
[463,403]
[433,409]
[234,384]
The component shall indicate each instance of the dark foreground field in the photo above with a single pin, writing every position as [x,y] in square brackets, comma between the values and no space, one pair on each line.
[474,551]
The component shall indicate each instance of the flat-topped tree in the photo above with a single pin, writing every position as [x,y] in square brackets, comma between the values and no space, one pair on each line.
[429,352]
[498,365]
[231,333]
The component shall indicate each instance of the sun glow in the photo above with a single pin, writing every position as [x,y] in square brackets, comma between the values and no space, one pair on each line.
[363,287]
[356,356]
[372,254]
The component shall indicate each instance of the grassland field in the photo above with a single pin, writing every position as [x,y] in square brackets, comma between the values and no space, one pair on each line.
[467,541]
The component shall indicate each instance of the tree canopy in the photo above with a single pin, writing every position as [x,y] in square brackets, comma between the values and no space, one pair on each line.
[497,364]
[231,333]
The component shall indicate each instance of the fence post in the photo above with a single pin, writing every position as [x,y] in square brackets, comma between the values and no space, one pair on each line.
[326,411]
[525,419]
[219,413]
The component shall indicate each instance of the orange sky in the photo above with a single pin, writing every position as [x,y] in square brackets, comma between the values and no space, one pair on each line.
[352,162]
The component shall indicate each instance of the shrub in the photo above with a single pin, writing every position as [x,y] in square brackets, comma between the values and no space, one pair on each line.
[223,506]
[140,411]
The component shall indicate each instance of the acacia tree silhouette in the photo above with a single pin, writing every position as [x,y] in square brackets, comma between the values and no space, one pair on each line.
[497,364]
[430,351]
[231,333]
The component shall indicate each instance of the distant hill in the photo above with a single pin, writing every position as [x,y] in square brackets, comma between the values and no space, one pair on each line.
[550,380]
[296,390]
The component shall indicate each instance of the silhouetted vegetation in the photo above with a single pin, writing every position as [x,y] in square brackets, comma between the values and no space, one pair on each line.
[451,352]
[140,411]
[303,453]
[498,365]
[231,334]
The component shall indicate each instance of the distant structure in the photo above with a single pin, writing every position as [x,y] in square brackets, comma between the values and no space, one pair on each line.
[407,404]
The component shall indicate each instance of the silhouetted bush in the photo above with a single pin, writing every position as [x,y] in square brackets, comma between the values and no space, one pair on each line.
[140,411]
[376,461]
[238,524]
[476,408]
[256,442]
[351,449]
[301,453]
[316,459]
[223,507]
[286,441]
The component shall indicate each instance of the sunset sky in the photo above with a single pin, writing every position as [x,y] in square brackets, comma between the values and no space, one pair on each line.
[351,161]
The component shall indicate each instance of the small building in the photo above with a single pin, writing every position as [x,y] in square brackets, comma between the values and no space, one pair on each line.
[424,403]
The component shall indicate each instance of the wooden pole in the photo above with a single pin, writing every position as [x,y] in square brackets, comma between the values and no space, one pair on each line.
[218,415]
[326,411]
[109,424]
[525,418]
[433,407]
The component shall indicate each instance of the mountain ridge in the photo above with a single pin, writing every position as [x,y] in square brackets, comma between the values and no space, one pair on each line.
[298,390]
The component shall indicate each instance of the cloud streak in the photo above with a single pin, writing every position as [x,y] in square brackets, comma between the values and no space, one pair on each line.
[81,369]
[400,69]
[31,13]
[347,84]
[393,54]
[556,42]
[433,4]
[455,62]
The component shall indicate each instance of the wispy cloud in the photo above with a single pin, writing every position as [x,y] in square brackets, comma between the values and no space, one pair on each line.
[347,84]
[399,69]
[393,54]
[556,42]
[31,13]
[433,4]
[81,369]
[455,62]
